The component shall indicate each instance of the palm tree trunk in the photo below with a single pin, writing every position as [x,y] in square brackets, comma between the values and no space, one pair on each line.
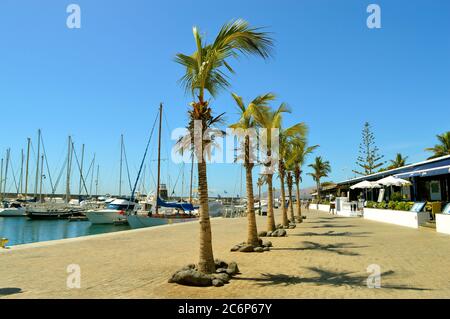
[283,199]
[291,206]
[252,231]
[299,204]
[270,215]
[206,258]
[319,197]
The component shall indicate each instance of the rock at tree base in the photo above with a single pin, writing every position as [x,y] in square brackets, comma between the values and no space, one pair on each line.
[246,249]
[262,234]
[224,277]
[235,248]
[267,244]
[233,268]
[279,233]
[259,249]
[269,234]
[191,278]
[217,283]
[266,249]
[221,270]
[220,264]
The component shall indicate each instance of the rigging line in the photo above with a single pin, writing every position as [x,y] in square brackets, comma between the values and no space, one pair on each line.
[14,175]
[143,159]
[79,168]
[176,181]
[59,176]
[46,162]
[128,169]
[90,167]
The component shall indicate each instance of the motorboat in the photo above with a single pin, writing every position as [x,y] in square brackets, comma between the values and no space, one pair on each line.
[13,209]
[168,213]
[116,211]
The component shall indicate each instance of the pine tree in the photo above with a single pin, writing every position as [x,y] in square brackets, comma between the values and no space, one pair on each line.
[369,159]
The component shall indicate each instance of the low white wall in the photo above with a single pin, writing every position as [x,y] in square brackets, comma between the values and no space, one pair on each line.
[347,213]
[443,223]
[323,208]
[401,218]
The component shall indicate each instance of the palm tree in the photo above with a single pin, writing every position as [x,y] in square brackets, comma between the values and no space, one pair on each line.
[441,149]
[321,169]
[260,182]
[246,122]
[398,162]
[205,71]
[286,136]
[300,151]
[269,120]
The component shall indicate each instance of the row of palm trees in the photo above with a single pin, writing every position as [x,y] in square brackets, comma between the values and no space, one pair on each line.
[207,72]
[439,150]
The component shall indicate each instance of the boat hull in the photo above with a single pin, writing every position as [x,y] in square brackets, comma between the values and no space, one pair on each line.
[104,217]
[143,221]
[12,212]
[49,215]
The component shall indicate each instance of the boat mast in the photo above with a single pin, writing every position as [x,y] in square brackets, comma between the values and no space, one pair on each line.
[21,173]
[69,149]
[92,176]
[1,180]
[96,181]
[37,164]
[159,158]
[81,169]
[26,168]
[42,175]
[8,152]
[121,163]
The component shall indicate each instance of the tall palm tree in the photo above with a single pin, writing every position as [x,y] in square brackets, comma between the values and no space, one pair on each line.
[269,120]
[321,169]
[398,162]
[300,151]
[286,136]
[441,149]
[205,71]
[246,123]
[260,182]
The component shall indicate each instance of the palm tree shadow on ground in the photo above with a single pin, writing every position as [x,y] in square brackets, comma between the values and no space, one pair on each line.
[333,226]
[339,248]
[9,291]
[325,277]
[332,233]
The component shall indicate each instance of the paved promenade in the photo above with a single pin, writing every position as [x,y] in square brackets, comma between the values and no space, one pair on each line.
[325,257]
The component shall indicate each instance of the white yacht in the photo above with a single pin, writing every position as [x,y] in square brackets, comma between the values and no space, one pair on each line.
[117,210]
[13,209]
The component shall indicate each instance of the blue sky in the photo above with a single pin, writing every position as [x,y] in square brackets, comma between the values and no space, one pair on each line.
[108,77]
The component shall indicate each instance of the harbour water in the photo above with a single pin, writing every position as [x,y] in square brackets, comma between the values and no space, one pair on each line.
[21,230]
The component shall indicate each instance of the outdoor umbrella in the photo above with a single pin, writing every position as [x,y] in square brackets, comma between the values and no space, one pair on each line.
[393,181]
[365,185]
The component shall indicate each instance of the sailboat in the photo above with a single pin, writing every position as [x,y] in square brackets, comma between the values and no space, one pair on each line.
[157,211]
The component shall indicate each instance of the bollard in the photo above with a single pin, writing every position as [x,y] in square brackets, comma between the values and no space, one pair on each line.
[3,242]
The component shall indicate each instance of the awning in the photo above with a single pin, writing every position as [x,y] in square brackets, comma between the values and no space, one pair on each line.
[426,172]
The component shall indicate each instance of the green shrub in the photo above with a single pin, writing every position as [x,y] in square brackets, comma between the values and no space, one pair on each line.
[392,205]
[396,197]
[370,204]
[381,205]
